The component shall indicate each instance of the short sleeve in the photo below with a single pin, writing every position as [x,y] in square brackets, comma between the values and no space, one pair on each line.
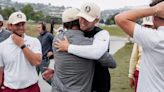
[145,37]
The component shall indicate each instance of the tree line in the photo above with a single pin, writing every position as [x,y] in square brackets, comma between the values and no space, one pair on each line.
[30,13]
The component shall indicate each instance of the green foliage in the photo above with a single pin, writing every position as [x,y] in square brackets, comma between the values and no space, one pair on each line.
[28,11]
[114,30]
[38,16]
[119,76]
[102,21]
[7,11]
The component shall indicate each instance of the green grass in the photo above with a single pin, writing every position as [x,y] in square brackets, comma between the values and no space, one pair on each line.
[119,76]
[114,31]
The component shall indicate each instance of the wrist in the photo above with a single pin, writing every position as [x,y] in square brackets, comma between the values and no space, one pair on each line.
[23,46]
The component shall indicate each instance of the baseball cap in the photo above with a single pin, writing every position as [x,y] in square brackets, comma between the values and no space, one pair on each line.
[17,17]
[90,11]
[1,18]
[69,15]
[147,20]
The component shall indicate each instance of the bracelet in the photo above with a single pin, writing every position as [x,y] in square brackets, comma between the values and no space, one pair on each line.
[23,46]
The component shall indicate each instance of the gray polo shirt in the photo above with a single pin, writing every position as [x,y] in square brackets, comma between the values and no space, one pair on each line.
[72,73]
[4,34]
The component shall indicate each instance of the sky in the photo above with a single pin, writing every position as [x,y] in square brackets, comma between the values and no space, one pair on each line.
[104,4]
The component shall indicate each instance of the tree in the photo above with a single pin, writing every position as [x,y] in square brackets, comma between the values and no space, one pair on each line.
[28,11]
[102,21]
[7,11]
[38,16]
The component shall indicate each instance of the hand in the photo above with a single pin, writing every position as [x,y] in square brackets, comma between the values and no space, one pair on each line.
[159,8]
[17,40]
[49,54]
[131,82]
[62,45]
[48,73]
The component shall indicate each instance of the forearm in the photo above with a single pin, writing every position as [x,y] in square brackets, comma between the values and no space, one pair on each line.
[33,58]
[127,19]
[89,52]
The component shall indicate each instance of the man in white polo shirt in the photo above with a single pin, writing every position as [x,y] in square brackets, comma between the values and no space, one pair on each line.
[18,57]
[151,75]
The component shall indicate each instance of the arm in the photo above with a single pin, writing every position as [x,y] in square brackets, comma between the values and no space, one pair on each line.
[94,51]
[107,60]
[126,20]
[133,60]
[33,58]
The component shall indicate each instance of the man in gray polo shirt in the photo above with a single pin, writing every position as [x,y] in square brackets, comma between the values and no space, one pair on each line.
[3,33]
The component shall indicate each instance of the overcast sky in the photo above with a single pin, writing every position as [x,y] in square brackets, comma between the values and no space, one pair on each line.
[104,4]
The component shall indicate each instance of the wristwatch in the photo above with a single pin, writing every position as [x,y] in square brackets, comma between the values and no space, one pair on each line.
[23,46]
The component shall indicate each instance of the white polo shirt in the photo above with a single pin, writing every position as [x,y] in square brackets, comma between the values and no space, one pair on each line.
[151,75]
[18,72]
[96,50]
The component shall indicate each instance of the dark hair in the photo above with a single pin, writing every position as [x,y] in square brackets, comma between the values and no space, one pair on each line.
[43,25]
[71,24]
[154,2]
[1,24]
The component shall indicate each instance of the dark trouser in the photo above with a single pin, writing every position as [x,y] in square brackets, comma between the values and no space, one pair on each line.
[136,73]
[101,79]
[32,88]
[45,63]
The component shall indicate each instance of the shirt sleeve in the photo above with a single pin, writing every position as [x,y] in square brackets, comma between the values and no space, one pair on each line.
[133,60]
[37,47]
[145,37]
[94,51]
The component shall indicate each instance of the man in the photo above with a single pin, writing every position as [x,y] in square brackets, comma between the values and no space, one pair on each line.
[89,16]
[3,33]
[151,71]
[72,73]
[135,60]
[19,58]
[46,40]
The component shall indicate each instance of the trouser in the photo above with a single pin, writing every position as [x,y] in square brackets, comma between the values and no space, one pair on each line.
[136,73]
[101,79]
[32,88]
[45,63]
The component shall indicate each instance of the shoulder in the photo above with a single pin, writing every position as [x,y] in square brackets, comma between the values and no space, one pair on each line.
[30,38]
[102,33]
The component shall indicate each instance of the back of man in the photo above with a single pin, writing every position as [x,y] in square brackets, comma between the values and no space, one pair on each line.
[73,74]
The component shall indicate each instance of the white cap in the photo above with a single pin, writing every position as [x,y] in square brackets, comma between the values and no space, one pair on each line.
[17,17]
[69,15]
[1,18]
[147,20]
[90,11]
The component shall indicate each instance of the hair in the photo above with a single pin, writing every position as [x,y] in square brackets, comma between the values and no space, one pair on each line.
[1,24]
[154,2]
[71,24]
[43,25]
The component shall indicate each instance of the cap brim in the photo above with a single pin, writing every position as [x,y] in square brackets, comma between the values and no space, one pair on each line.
[85,16]
[147,23]
[16,22]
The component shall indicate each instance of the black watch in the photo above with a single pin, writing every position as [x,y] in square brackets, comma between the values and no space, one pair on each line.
[23,46]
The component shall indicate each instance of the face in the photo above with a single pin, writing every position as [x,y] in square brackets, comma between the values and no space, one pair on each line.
[19,28]
[39,28]
[86,25]
[10,27]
